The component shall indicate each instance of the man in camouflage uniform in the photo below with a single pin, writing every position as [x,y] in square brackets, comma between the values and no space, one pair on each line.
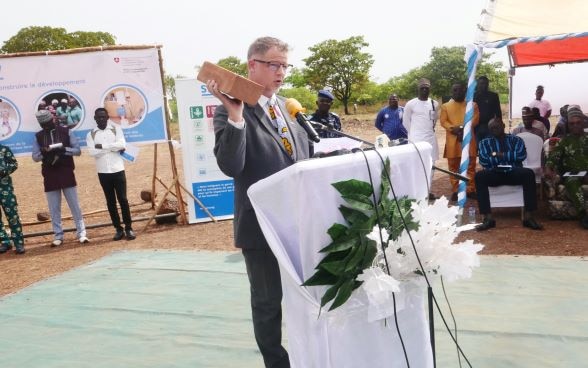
[571,155]
[8,165]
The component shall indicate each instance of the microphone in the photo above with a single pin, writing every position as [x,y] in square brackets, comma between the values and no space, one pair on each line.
[296,110]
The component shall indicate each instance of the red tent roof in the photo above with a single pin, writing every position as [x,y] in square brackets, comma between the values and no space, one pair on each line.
[549,52]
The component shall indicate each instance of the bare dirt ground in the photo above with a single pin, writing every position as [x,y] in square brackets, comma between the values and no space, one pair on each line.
[562,238]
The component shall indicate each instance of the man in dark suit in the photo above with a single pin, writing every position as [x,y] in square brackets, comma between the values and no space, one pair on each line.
[488,105]
[253,142]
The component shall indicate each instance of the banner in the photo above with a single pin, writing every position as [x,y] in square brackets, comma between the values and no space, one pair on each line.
[202,175]
[127,83]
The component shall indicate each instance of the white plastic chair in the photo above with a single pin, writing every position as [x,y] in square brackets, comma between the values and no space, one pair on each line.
[534,147]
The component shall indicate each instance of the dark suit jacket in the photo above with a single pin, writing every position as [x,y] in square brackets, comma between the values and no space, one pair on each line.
[250,154]
[489,107]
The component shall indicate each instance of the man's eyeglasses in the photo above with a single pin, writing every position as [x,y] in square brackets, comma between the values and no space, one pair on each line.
[275,66]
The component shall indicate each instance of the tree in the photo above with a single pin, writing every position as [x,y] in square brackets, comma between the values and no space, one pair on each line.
[339,65]
[306,97]
[445,67]
[296,78]
[234,64]
[48,38]
[88,39]
[170,89]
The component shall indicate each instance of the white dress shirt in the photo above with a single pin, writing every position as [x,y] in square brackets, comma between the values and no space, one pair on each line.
[112,139]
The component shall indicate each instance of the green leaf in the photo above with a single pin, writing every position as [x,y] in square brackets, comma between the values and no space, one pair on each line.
[336,231]
[369,254]
[344,293]
[334,256]
[344,242]
[364,228]
[356,256]
[321,277]
[384,182]
[353,186]
[334,267]
[359,202]
[330,293]
[353,216]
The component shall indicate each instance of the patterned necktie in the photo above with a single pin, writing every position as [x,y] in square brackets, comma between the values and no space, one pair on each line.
[280,124]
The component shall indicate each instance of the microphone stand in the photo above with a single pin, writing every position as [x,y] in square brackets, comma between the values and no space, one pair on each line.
[321,126]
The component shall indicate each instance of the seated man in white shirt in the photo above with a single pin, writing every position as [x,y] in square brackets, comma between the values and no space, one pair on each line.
[105,144]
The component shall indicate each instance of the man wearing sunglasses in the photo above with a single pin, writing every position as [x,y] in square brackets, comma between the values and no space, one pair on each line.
[253,142]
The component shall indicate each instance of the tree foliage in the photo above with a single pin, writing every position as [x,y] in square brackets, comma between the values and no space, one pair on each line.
[169,82]
[46,38]
[445,67]
[340,66]
[306,97]
[234,64]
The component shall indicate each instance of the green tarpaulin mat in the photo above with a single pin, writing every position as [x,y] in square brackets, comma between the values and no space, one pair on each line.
[191,309]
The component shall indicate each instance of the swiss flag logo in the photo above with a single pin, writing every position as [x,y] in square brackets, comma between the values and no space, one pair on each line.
[116,60]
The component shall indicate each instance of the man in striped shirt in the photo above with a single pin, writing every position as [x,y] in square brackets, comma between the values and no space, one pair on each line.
[501,155]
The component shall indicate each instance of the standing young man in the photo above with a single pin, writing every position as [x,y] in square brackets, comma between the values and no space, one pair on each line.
[252,143]
[452,119]
[389,119]
[55,146]
[105,143]
[420,115]
[489,105]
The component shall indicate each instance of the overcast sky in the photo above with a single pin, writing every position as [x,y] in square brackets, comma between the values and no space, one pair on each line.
[400,33]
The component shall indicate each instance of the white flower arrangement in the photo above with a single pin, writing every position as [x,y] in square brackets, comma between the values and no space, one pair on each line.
[434,242]
[374,250]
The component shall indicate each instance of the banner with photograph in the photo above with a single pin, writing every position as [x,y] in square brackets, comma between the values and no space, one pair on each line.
[127,83]
[202,175]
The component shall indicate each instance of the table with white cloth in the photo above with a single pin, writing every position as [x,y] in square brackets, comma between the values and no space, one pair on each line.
[295,207]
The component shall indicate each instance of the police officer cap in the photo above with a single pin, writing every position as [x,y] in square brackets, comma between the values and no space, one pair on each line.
[326,94]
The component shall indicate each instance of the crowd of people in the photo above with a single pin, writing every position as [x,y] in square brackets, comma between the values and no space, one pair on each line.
[54,147]
[501,155]
[66,112]
[253,142]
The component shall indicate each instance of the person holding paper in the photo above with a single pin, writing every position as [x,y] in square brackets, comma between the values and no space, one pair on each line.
[568,162]
[253,142]
[54,146]
[105,143]
[502,155]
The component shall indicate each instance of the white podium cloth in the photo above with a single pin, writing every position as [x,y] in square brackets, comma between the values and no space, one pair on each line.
[295,207]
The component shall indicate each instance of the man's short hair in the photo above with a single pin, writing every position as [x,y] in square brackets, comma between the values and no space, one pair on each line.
[261,45]
[483,77]
[100,109]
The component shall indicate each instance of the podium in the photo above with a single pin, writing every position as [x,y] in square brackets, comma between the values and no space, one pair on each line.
[295,207]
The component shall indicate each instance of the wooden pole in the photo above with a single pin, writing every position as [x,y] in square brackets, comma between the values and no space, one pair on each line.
[161,203]
[80,50]
[172,154]
[154,175]
[68,217]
